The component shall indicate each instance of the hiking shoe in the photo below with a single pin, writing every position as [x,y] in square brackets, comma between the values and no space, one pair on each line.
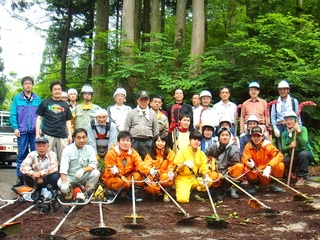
[197,197]
[300,183]
[233,192]
[166,198]
[275,188]
[253,190]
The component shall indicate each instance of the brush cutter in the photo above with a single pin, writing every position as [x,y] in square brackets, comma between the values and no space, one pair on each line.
[253,202]
[134,219]
[182,214]
[52,235]
[214,219]
[102,230]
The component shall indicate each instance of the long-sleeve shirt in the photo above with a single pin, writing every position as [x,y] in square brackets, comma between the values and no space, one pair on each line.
[34,163]
[162,165]
[74,158]
[118,114]
[301,139]
[225,111]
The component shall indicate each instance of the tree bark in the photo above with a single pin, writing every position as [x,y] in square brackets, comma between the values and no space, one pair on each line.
[154,19]
[299,8]
[179,38]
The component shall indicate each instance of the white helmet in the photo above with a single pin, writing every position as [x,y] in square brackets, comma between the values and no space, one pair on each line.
[290,113]
[86,89]
[208,125]
[120,91]
[205,93]
[225,120]
[253,118]
[72,90]
[283,84]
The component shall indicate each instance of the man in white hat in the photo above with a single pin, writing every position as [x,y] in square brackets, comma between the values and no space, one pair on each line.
[118,112]
[253,106]
[102,133]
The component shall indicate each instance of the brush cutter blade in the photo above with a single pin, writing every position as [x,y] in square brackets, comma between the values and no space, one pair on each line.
[11,229]
[213,220]
[299,197]
[102,231]
[180,214]
[130,219]
[253,203]
[269,211]
[2,234]
[51,237]
[185,220]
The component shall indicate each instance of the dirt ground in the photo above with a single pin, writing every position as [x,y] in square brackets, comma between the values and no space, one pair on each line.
[297,220]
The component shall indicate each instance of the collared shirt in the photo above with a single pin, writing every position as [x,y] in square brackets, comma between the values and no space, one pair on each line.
[205,116]
[34,163]
[253,107]
[83,114]
[225,111]
[119,114]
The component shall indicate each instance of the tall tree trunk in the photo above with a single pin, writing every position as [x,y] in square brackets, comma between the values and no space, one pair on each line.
[65,45]
[299,8]
[137,20]
[163,13]
[198,36]
[179,37]
[90,48]
[155,24]
[146,19]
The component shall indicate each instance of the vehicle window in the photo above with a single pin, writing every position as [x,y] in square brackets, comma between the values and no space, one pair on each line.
[5,121]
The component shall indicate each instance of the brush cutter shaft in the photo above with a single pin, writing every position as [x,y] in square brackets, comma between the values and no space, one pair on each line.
[18,215]
[8,202]
[245,192]
[63,220]
[211,201]
[102,224]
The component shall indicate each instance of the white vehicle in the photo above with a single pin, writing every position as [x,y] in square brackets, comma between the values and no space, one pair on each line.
[8,140]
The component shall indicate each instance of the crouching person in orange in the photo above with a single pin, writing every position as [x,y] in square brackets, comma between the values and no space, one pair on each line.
[159,163]
[264,160]
[224,158]
[121,162]
[191,162]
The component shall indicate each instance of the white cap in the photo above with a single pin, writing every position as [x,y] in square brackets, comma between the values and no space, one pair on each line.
[101,111]
[254,84]
[121,91]
[72,90]
[205,93]
[283,84]
[253,118]
[290,113]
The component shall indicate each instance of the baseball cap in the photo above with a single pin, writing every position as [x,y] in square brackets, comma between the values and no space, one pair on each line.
[41,140]
[254,84]
[143,94]
[256,130]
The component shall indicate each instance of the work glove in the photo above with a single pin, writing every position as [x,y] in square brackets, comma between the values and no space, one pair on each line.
[251,163]
[153,171]
[206,180]
[189,163]
[64,188]
[242,134]
[276,132]
[266,172]
[79,173]
[147,181]
[114,170]
[170,175]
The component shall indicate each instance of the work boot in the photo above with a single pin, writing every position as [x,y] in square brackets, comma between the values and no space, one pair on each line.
[275,188]
[166,198]
[20,182]
[196,195]
[255,187]
[233,192]
[300,183]
[129,195]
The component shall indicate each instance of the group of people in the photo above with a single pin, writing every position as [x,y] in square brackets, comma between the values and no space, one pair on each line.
[152,149]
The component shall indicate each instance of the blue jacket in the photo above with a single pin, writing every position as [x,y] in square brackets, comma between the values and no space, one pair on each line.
[23,113]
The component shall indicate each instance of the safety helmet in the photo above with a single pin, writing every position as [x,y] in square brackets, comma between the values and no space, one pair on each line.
[120,91]
[208,125]
[72,90]
[283,84]
[222,130]
[226,120]
[254,85]
[86,89]
[205,93]
[253,118]
[64,94]
[290,114]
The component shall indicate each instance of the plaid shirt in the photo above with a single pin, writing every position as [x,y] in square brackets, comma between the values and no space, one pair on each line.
[33,163]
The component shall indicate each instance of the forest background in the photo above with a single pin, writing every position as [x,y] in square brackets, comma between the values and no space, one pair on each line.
[158,45]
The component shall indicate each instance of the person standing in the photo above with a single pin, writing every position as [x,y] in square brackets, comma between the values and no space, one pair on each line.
[253,106]
[303,155]
[142,123]
[85,112]
[23,119]
[102,133]
[156,104]
[56,117]
[78,164]
[64,96]
[226,109]
[41,165]
[72,95]
[119,111]
[285,103]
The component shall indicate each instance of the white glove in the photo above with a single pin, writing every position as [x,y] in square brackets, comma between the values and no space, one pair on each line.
[276,132]
[147,181]
[114,170]
[170,175]
[64,188]
[207,179]
[266,171]
[153,171]
[242,134]
[79,173]
[251,163]
[189,163]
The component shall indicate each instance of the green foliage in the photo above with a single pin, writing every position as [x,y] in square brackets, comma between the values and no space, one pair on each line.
[314,137]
